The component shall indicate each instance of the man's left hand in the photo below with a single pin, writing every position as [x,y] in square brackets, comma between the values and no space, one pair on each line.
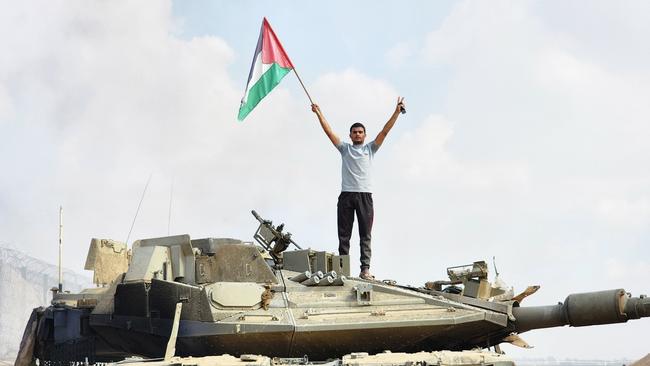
[401,106]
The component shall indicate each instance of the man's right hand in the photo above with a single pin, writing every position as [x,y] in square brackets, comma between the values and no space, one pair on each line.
[326,127]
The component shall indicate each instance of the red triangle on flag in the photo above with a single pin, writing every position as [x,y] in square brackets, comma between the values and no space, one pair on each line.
[272,51]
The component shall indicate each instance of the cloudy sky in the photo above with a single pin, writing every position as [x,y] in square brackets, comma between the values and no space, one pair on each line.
[526,136]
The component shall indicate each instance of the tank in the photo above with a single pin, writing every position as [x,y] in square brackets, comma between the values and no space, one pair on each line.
[177,296]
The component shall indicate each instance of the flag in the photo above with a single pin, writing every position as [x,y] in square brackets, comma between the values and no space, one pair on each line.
[270,65]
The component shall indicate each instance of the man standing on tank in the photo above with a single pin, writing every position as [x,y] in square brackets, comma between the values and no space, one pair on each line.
[356,183]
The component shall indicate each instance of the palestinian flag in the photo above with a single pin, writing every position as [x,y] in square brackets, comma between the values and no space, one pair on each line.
[270,65]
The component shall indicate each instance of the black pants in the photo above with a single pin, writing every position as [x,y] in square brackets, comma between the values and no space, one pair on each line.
[361,203]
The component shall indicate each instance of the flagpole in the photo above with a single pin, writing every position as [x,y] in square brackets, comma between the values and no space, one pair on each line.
[303,85]
[264,21]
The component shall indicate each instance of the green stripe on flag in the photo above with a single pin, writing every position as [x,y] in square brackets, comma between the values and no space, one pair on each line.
[269,80]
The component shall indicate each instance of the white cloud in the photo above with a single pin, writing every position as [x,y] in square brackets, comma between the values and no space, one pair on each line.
[539,142]
[101,101]
[398,55]
[555,110]
[620,270]
[6,106]
[421,152]
[351,96]
[421,156]
[630,213]
[484,28]
[115,100]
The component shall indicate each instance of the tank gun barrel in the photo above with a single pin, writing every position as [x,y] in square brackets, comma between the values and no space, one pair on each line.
[590,308]
[258,217]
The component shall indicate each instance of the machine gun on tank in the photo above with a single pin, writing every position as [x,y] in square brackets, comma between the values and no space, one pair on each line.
[272,238]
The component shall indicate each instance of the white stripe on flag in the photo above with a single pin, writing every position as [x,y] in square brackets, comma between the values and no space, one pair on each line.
[258,70]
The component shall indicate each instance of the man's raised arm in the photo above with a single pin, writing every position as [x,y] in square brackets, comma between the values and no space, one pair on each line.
[326,127]
[391,121]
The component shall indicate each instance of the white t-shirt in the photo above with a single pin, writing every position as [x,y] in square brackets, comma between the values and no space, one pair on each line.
[356,166]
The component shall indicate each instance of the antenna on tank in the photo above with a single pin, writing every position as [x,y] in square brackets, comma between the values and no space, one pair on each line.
[60,248]
[494,263]
[138,209]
